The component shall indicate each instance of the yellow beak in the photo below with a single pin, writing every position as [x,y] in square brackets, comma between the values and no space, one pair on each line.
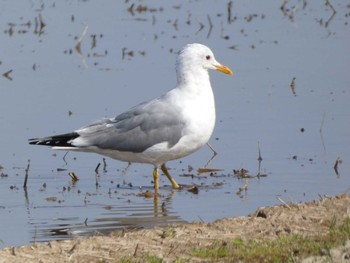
[224,69]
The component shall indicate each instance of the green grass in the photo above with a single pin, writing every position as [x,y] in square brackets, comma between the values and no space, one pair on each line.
[288,248]
[283,249]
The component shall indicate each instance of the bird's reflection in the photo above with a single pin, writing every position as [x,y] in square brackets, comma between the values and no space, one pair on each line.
[150,212]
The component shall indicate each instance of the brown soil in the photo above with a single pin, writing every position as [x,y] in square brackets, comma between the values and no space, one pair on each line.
[176,242]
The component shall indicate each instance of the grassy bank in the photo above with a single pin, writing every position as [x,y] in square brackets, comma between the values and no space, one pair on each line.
[286,248]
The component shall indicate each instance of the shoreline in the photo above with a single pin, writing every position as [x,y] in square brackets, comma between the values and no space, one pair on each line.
[178,242]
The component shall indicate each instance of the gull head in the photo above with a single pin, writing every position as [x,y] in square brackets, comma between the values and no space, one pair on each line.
[197,57]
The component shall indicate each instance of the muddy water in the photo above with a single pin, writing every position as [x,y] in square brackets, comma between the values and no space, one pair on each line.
[290,92]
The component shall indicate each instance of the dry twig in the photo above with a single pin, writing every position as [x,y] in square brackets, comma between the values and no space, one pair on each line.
[78,46]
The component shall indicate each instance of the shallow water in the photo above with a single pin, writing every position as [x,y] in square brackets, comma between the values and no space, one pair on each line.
[127,56]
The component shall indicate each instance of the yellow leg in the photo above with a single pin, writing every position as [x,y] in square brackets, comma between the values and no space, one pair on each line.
[172,181]
[155,178]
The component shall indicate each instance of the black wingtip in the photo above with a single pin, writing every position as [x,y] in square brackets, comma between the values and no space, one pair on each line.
[57,140]
[33,141]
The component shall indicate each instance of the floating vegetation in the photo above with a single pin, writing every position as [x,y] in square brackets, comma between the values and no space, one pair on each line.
[7,74]
[328,3]
[242,173]
[292,86]
[142,9]
[78,46]
[208,170]
[259,153]
[73,177]
[22,28]
[194,190]
[54,199]
[335,167]
[39,25]
[26,175]
[146,194]
[2,174]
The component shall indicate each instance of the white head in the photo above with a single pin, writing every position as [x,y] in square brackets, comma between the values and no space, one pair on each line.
[196,58]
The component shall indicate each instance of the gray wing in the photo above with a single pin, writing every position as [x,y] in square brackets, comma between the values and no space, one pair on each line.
[137,129]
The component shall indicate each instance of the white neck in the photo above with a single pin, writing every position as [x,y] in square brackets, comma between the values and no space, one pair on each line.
[194,77]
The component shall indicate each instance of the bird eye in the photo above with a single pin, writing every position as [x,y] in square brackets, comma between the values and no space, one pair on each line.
[207,57]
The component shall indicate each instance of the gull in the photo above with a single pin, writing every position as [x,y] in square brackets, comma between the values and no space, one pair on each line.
[166,128]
